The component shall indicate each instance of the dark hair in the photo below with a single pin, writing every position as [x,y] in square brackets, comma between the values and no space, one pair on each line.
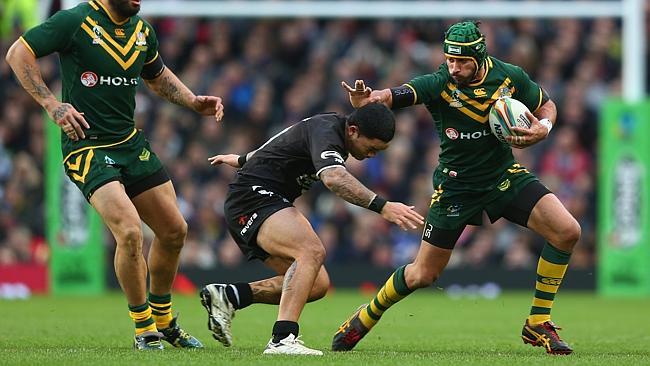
[374,120]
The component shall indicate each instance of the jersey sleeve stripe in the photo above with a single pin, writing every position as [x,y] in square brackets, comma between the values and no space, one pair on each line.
[541,96]
[92,3]
[328,167]
[153,59]
[27,45]
[415,100]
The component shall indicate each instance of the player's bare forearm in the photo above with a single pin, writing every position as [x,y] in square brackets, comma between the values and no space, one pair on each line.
[168,86]
[346,186]
[547,110]
[24,65]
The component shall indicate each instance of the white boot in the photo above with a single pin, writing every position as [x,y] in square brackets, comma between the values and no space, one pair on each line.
[291,345]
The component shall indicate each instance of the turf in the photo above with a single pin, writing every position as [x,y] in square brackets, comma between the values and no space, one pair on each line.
[426,328]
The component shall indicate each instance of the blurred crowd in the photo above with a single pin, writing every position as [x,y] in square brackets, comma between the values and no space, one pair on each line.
[272,73]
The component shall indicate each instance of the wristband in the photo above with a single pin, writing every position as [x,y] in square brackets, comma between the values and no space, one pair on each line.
[377,204]
[546,123]
[241,160]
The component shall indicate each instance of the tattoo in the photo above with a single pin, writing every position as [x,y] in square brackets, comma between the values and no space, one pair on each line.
[168,88]
[346,186]
[60,112]
[286,286]
[33,83]
[267,291]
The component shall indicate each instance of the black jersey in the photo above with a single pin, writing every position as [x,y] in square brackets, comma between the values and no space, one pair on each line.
[291,161]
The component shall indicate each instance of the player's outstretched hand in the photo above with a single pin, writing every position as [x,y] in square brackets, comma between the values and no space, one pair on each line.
[69,119]
[524,137]
[360,95]
[208,106]
[402,215]
[228,159]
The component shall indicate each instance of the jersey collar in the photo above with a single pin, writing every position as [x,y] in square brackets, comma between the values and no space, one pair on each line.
[96,4]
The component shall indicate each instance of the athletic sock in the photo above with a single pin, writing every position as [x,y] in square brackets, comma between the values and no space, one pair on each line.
[282,329]
[394,290]
[240,295]
[551,268]
[161,309]
[141,315]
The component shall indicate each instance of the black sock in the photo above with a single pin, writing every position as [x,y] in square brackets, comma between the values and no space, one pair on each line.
[282,329]
[239,294]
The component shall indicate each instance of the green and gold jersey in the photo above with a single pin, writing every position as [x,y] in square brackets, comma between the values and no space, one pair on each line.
[469,152]
[101,62]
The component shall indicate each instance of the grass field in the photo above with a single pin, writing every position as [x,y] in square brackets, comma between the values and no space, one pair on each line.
[426,328]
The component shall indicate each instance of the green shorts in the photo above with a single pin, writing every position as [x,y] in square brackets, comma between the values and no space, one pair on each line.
[453,207]
[131,162]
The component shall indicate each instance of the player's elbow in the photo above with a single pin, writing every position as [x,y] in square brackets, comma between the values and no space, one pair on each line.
[331,178]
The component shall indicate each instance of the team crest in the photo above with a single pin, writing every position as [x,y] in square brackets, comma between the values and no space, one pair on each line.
[97,37]
[505,92]
[140,42]
[455,99]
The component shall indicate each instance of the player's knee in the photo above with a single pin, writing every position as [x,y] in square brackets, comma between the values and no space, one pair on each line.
[174,235]
[321,285]
[129,239]
[572,233]
[313,253]
[421,277]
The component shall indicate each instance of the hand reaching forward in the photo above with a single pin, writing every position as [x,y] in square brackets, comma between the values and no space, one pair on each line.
[361,95]
[402,215]
[228,159]
[208,106]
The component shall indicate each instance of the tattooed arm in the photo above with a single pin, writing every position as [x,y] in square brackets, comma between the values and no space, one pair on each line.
[346,186]
[168,86]
[23,62]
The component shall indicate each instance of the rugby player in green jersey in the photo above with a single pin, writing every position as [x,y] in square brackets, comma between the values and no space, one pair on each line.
[476,173]
[105,50]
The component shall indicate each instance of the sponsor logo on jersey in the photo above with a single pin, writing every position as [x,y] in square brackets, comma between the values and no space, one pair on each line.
[89,79]
[144,155]
[111,80]
[242,220]
[452,133]
[480,92]
[140,42]
[332,154]
[119,33]
[248,224]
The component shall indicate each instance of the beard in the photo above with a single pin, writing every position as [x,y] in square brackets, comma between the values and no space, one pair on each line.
[123,8]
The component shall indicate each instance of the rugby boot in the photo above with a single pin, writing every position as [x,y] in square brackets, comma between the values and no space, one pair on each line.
[350,332]
[220,312]
[148,341]
[545,335]
[290,345]
[177,337]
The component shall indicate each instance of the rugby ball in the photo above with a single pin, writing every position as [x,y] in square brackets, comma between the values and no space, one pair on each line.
[507,112]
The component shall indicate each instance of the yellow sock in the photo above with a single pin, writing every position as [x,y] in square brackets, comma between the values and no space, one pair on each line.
[161,306]
[141,316]
[394,290]
[551,268]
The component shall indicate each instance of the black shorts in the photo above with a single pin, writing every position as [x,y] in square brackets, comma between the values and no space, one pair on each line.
[517,211]
[246,208]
